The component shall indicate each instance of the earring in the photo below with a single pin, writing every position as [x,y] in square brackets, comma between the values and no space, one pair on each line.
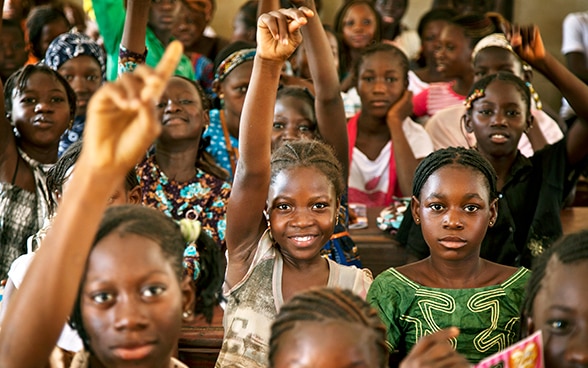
[70,124]
[491,223]
[186,314]
[417,220]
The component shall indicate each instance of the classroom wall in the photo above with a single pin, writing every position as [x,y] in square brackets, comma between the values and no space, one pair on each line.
[546,14]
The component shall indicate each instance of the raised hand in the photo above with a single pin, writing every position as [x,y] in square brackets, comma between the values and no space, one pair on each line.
[278,32]
[121,115]
[435,351]
[526,41]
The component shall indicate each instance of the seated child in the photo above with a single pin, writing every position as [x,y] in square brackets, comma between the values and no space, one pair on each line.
[273,257]
[454,202]
[385,145]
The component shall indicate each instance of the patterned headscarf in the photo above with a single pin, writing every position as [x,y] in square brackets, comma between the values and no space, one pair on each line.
[71,45]
[232,61]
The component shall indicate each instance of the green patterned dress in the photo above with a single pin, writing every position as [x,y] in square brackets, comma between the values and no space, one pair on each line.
[488,317]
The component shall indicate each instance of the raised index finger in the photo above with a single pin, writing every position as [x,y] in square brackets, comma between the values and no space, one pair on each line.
[166,67]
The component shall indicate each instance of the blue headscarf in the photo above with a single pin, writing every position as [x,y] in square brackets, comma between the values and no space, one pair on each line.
[67,46]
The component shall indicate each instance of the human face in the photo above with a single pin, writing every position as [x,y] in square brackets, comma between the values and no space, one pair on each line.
[293,119]
[189,26]
[49,32]
[302,212]
[132,315]
[41,110]
[327,345]
[334,44]
[13,9]
[84,76]
[203,6]
[13,49]
[561,313]
[180,111]
[391,11]
[430,42]
[359,26]
[492,60]
[163,14]
[498,119]
[454,54]
[233,89]
[454,210]
[241,31]
[381,82]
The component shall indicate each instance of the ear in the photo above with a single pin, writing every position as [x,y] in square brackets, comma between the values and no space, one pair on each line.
[530,121]
[414,209]
[205,118]
[528,326]
[466,120]
[134,195]
[493,212]
[188,290]
[216,87]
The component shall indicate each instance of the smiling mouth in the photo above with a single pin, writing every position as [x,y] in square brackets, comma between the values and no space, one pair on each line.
[174,120]
[303,240]
[498,138]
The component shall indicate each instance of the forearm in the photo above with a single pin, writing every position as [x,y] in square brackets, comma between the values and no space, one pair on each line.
[266,6]
[36,314]
[404,158]
[536,137]
[135,29]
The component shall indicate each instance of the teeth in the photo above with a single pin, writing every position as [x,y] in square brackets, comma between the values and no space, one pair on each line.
[302,238]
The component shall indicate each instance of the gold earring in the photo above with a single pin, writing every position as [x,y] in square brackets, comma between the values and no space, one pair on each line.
[186,314]
[417,220]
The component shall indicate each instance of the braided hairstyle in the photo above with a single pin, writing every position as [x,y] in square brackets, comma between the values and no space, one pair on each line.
[325,305]
[454,156]
[477,90]
[308,153]
[300,93]
[570,249]
[476,26]
[383,47]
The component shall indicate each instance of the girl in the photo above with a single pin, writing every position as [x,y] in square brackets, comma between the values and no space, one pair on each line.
[272,258]
[357,24]
[81,61]
[533,190]
[233,68]
[384,143]
[44,23]
[424,68]
[394,31]
[493,54]
[13,48]
[454,61]
[177,176]
[454,202]
[555,302]
[245,22]
[40,105]
[131,315]
[328,327]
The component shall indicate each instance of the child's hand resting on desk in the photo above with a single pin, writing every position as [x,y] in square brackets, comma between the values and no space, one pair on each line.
[278,32]
[121,115]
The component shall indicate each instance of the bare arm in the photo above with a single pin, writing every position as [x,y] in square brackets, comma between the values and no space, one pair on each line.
[135,30]
[121,125]
[278,36]
[406,163]
[266,6]
[330,112]
[527,42]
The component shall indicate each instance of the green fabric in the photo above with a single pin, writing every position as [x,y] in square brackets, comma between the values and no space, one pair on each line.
[488,317]
[110,16]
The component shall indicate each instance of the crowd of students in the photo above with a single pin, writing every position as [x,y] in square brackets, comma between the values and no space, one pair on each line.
[146,180]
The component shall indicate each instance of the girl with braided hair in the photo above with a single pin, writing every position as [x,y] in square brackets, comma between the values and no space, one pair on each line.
[455,202]
[328,327]
[272,258]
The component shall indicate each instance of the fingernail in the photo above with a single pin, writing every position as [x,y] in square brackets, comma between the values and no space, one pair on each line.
[285,41]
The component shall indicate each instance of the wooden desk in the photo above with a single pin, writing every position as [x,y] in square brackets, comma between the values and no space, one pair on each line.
[378,250]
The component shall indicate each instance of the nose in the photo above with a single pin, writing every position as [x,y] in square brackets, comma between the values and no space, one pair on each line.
[301,218]
[79,84]
[499,119]
[42,106]
[290,133]
[379,85]
[452,220]
[129,314]
[171,106]
[577,349]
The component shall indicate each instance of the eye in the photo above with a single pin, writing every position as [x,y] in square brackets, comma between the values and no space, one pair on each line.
[348,23]
[152,290]
[282,206]
[480,73]
[304,128]
[92,78]
[368,79]
[513,113]
[57,99]
[471,208]
[278,126]
[28,100]
[558,325]
[320,206]
[367,22]
[436,207]
[391,79]
[160,105]
[102,297]
[486,112]
[242,89]
[185,102]
[68,77]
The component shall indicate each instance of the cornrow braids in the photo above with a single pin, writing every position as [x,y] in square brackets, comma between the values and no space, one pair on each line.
[17,83]
[570,249]
[210,281]
[328,304]
[302,94]
[308,153]
[383,47]
[454,156]
[477,90]
[142,221]
[477,25]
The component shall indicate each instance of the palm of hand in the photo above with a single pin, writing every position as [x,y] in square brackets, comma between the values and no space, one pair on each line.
[274,49]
